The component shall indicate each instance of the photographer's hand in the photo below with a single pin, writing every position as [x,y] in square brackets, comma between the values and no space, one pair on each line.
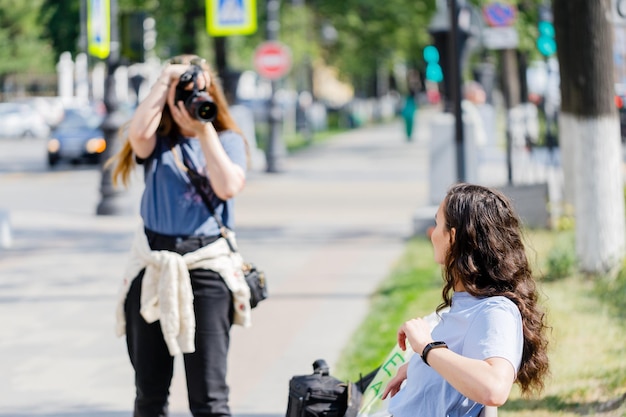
[171,73]
[227,178]
[147,117]
[189,126]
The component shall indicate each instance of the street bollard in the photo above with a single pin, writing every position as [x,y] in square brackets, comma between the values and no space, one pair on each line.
[6,240]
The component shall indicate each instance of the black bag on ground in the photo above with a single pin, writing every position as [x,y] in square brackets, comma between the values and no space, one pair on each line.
[322,395]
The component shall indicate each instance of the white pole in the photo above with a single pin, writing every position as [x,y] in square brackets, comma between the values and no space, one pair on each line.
[65,73]
[82,77]
[6,240]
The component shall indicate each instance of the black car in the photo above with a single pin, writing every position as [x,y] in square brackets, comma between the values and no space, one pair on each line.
[77,138]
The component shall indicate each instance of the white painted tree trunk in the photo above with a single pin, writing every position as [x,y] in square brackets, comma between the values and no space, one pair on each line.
[593,159]
[567,140]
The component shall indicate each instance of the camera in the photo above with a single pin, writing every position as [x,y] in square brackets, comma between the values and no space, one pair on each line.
[197,102]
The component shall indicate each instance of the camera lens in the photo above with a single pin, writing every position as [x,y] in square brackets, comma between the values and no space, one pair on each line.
[198,103]
[206,111]
[202,108]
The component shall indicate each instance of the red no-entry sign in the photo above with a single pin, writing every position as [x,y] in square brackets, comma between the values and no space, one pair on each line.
[272,60]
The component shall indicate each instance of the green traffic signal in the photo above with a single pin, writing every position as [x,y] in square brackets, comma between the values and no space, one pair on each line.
[431,54]
[546,43]
[434,73]
[433,69]
[546,29]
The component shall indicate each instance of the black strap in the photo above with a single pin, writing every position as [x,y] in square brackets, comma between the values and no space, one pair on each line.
[201,183]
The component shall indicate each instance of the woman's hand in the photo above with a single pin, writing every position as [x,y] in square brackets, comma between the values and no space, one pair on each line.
[227,179]
[417,332]
[171,73]
[147,117]
[395,383]
[486,381]
[189,125]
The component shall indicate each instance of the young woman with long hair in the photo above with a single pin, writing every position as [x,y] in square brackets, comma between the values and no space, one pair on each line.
[492,332]
[182,288]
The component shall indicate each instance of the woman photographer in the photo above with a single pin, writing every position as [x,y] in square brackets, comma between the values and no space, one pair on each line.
[182,290]
[494,333]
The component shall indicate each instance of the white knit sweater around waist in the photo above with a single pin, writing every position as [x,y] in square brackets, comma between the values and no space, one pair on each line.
[166,293]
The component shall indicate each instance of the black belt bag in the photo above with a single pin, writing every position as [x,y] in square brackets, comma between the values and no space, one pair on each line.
[178,244]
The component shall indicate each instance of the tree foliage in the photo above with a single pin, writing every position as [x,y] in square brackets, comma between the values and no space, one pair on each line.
[374,34]
[371,35]
[23,47]
[60,20]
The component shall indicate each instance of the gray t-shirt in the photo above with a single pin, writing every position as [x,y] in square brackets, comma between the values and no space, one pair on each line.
[170,204]
[478,328]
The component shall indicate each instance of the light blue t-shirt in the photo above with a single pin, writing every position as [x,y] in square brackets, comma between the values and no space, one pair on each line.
[478,328]
[170,204]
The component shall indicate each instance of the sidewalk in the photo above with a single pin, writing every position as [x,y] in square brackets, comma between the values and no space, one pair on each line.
[326,231]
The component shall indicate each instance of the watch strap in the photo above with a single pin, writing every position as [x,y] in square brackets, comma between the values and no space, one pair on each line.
[431,346]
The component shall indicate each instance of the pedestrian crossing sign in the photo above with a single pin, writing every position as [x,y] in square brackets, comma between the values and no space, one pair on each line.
[99,28]
[231,17]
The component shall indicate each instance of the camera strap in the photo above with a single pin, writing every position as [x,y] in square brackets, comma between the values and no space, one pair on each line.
[201,183]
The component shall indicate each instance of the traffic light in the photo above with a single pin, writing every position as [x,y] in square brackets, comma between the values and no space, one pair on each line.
[546,42]
[138,36]
[434,72]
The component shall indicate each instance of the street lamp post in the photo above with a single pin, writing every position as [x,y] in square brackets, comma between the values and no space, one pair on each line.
[111,198]
[275,147]
[455,86]
[449,39]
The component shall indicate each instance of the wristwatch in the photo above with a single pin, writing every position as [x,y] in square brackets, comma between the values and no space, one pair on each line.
[431,346]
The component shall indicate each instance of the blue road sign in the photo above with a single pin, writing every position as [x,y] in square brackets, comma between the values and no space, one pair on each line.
[99,28]
[231,17]
[499,14]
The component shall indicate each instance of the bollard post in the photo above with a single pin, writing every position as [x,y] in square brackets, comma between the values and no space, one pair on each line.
[276,149]
[6,239]
[111,202]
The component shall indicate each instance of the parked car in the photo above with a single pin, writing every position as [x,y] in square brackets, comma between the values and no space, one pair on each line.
[20,120]
[77,138]
[50,108]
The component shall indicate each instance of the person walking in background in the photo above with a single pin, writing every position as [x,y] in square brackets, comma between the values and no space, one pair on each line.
[409,109]
[182,290]
[494,333]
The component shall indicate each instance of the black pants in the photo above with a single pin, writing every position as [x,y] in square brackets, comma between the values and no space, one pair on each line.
[205,369]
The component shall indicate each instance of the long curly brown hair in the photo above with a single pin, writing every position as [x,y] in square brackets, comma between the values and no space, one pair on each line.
[124,161]
[488,257]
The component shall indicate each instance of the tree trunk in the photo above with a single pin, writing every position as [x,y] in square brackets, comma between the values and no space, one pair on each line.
[589,131]
[511,90]
[188,41]
[229,80]
[510,78]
